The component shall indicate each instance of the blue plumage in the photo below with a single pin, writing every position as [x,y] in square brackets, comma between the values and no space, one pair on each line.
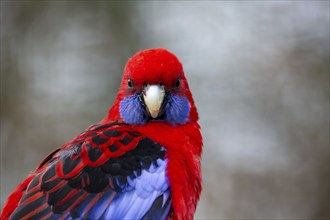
[138,199]
[176,110]
[132,111]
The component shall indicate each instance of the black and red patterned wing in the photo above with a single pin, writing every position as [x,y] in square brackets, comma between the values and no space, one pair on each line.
[103,165]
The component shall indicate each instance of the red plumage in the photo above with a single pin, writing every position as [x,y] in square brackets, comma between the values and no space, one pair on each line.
[183,142]
[183,146]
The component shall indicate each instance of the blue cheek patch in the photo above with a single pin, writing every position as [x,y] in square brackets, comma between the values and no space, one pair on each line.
[176,110]
[132,111]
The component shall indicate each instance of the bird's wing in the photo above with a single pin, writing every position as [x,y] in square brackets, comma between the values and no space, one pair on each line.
[108,172]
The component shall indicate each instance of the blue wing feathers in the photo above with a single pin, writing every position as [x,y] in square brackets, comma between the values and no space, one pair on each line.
[134,204]
[160,208]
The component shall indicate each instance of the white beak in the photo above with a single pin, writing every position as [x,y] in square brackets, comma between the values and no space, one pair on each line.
[153,96]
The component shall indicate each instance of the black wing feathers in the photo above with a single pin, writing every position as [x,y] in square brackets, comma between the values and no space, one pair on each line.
[67,184]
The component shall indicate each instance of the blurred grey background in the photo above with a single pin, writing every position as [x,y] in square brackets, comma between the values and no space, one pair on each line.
[259,72]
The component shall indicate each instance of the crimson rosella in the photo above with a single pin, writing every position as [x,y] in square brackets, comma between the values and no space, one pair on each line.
[142,161]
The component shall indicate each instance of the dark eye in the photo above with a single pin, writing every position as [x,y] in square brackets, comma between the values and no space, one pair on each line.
[177,83]
[129,83]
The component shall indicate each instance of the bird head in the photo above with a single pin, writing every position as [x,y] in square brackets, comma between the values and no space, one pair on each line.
[154,88]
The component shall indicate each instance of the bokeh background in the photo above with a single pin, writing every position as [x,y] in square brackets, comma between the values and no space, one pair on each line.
[258,70]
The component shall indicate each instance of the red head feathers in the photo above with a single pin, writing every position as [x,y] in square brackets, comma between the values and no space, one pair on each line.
[153,66]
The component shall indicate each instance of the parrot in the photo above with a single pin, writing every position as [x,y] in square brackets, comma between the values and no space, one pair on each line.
[141,161]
